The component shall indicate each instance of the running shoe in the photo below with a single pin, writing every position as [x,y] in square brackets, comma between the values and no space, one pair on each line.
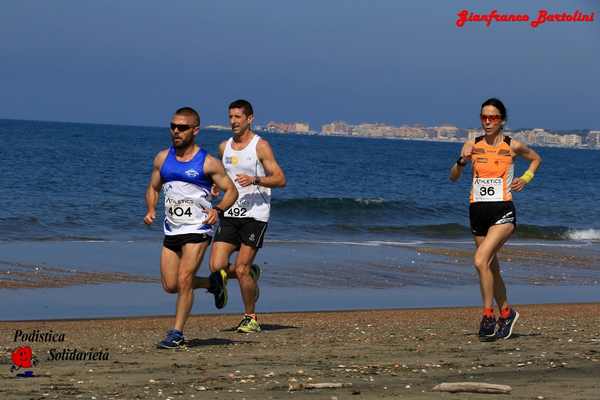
[218,287]
[248,325]
[173,340]
[506,325]
[487,328]
[255,274]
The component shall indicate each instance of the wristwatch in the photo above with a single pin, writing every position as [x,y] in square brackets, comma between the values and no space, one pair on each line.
[257,180]
[219,211]
[460,162]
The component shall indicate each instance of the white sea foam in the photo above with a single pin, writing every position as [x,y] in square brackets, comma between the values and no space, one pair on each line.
[370,243]
[556,244]
[583,234]
[377,200]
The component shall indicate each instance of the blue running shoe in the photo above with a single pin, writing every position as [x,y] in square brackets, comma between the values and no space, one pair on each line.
[487,329]
[255,274]
[506,325]
[173,340]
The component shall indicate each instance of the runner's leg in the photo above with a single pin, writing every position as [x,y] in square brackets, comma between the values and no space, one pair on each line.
[484,255]
[499,286]
[169,266]
[242,266]
[219,255]
[191,258]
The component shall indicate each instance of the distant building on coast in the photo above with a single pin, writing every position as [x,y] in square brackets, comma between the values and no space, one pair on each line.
[336,128]
[284,127]
[380,130]
[472,134]
[444,132]
[572,140]
[593,139]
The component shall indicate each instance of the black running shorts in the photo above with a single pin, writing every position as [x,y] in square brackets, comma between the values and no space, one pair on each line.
[486,214]
[241,230]
[176,242]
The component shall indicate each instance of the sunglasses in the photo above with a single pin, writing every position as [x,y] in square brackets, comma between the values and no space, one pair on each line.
[181,127]
[492,118]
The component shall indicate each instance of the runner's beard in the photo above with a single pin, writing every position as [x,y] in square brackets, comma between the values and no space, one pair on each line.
[183,144]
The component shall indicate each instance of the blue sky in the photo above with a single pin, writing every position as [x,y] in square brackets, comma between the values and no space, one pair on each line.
[399,62]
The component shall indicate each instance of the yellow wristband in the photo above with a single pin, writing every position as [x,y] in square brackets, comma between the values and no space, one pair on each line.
[527,176]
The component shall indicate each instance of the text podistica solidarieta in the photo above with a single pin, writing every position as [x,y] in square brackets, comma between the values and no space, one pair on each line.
[62,354]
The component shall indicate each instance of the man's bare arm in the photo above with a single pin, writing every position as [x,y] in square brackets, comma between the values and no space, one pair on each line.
[274,174]
[214,168]
[153,190]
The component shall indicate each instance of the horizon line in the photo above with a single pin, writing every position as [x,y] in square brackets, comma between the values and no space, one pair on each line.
[262,125]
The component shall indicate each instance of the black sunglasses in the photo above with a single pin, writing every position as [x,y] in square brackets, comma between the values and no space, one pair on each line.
[181,127]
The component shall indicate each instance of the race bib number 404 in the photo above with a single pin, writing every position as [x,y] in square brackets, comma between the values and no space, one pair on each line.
[487,189]
[181,211]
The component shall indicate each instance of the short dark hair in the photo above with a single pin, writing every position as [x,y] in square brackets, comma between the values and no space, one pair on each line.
[498,104]
[243,104]
[189,112]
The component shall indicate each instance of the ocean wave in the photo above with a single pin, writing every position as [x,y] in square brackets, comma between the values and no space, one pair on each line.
[52,238]
[583,234]
[349,207]
[451,231]
[367,243]
[333,203]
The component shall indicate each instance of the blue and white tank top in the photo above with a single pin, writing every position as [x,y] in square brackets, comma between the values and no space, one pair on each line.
[187,194]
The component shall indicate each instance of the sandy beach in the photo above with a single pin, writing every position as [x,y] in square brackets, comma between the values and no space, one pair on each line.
[554,354]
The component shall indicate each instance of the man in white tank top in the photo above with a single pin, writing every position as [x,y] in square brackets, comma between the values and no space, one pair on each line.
[250,163]
[186,173]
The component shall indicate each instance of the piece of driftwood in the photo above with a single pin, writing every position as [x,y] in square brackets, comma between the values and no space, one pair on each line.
[303,386]
[472,387]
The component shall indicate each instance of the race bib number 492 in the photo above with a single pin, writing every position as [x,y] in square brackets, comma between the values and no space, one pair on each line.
[236,212]
[487,189]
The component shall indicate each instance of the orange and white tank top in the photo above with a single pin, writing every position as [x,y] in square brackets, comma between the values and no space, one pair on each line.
[493,171]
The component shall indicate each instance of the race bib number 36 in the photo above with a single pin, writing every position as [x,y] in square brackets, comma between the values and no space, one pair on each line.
[487,189]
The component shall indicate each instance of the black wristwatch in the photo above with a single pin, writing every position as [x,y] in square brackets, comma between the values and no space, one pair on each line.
[463,163]
[219,211]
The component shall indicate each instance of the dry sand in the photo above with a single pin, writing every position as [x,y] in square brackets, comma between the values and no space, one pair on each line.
[555,354]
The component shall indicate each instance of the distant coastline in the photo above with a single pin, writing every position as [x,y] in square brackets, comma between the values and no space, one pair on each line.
[579,139]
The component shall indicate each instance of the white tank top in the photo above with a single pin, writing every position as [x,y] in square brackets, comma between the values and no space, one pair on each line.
[253,201]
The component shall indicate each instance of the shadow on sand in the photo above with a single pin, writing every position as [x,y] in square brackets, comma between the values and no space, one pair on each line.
[265,328]
[214,342]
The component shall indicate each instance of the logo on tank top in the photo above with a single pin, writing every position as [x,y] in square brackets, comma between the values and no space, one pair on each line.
[192,173]
[233,160]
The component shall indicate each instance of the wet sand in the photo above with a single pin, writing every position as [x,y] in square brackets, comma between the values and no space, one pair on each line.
[61,264]
[555,354]
[16,275]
